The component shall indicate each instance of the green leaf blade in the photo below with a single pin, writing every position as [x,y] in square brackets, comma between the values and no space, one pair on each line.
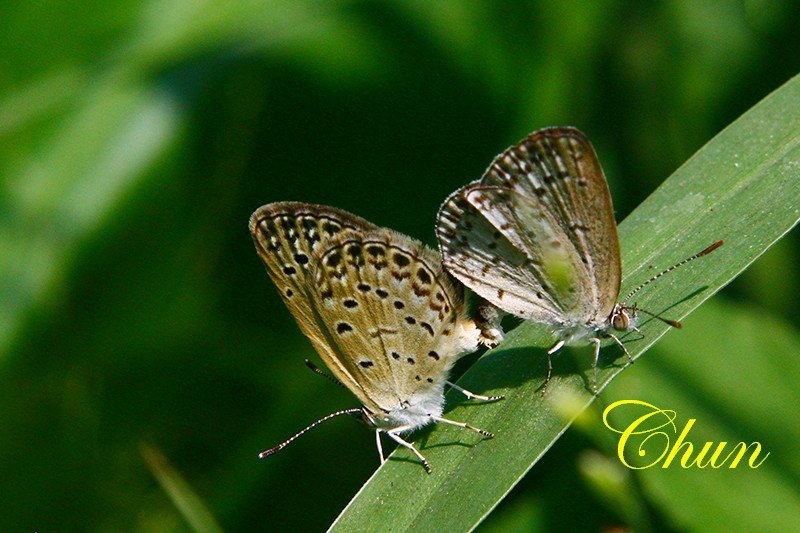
[741,187]
[757,354]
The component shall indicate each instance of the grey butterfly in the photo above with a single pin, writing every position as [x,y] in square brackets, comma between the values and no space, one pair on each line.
[378,308]
[536,237]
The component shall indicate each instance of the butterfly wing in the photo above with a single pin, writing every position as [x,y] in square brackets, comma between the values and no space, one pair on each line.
[477,253]
[548,199]
[289,236]
[393,315]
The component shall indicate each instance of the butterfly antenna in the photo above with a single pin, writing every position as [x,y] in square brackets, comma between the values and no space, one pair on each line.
[673,323]
[670,269]
[314,368]
[282,445]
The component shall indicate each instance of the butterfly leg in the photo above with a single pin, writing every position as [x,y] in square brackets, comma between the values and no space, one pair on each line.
[549,375]
[462,425]
[641,335]
[471,395]
[556,347]
[380,447]
[624,349]
[596,341]
[393,434]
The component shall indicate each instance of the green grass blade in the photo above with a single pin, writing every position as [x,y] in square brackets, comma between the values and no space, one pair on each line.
[741,187]
[746,353]
[185,499]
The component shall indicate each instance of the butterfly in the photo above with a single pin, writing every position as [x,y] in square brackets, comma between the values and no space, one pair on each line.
[536,238]
[382,314]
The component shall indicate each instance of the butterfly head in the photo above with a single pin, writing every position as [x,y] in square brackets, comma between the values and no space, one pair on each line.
[623,317]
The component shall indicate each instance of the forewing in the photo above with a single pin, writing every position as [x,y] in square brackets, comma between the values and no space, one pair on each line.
[393,315]
[560,275]
[558,171]
[480,255]
[289,237]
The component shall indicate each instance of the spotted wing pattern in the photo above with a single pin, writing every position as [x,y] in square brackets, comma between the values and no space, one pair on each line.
[289,236]
[377,306]
[547,200]
[392,316]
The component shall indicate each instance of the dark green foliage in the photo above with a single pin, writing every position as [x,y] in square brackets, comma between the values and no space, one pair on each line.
[137,138]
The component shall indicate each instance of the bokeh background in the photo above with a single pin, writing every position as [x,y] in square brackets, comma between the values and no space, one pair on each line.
[137,137]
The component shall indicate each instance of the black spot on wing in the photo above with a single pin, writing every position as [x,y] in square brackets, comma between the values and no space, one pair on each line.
[330,228]
[401,260]
[376,251]
[333,259]
[423,276]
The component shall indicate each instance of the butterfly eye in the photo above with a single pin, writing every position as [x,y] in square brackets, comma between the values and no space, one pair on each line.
[620,321]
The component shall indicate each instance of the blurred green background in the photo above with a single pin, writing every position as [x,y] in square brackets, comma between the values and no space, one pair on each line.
[137,137]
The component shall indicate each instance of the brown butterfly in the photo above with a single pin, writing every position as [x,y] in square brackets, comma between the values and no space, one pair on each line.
[378,308]
[536,238]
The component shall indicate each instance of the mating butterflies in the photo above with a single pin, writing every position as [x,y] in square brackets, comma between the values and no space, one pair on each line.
[536,237]
[378,308]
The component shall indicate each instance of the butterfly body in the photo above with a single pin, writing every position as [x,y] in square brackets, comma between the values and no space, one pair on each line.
[377,306]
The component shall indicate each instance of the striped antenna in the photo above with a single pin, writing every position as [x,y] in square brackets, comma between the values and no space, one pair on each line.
[673,323]
[673,267]
[317,370]
[284,444]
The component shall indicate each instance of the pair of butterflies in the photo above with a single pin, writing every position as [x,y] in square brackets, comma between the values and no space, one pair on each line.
[534,237]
